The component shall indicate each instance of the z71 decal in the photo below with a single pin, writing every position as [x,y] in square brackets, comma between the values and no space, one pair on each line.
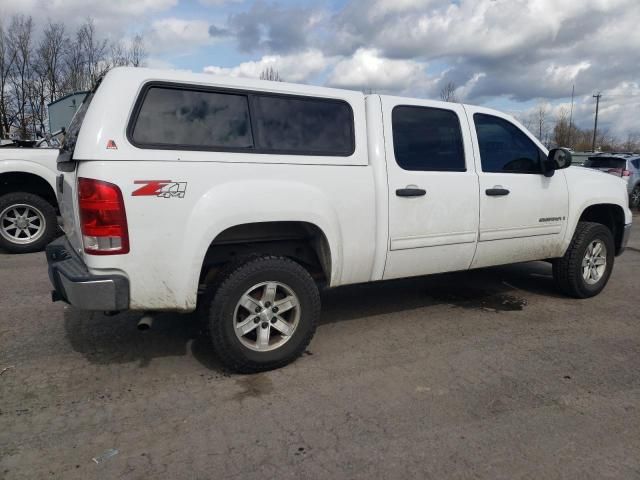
[160,188]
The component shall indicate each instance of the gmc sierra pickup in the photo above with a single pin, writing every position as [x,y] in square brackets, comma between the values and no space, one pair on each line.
[241,197]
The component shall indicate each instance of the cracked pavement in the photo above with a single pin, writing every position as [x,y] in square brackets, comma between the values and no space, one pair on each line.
[483,374]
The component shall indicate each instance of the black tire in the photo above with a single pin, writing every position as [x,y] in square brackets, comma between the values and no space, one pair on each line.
[634,198]
[49,219]
[567,271]
[221,298]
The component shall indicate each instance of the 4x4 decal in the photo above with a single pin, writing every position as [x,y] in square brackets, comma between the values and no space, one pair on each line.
[160,188]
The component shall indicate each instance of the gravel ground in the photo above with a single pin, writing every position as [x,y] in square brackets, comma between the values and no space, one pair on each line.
[484,374]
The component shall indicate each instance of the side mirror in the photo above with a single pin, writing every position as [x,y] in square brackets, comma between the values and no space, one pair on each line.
[557,159]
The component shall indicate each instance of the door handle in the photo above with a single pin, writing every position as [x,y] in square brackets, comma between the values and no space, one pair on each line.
[410,192]
[496,191]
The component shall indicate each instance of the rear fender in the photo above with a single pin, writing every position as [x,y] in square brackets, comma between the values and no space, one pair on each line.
[237,203]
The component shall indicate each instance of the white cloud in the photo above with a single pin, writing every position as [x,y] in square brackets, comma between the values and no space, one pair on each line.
[368,69]
[110,16]
[173,35]
[217,3]
[562,73]
[297,67]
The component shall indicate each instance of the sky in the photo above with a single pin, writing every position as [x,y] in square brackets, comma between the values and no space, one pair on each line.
[507,54]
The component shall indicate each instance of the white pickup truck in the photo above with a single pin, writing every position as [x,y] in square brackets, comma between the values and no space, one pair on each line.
[241,197]
[28,207]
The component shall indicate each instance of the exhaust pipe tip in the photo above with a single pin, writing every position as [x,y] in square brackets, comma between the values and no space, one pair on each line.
[145,323]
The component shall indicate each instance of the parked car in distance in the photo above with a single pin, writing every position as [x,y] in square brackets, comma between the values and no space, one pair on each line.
[242,198]
[28,204]
[624,165]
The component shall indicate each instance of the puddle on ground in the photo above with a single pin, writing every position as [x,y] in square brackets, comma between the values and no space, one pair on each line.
[476,298]
[253,386]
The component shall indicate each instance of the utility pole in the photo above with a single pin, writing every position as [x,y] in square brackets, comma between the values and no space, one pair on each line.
[573,89]
[595,126]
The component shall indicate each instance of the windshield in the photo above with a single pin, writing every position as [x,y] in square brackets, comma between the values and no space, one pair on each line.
[606,162]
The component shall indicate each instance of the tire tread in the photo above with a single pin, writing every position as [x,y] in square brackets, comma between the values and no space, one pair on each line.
[218,294]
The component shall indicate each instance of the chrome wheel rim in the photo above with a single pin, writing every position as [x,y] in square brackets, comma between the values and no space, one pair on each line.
[594,263]
[266,316]
[22,224]
[635,197]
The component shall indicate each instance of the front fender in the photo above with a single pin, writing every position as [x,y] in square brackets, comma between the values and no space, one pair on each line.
[588,188]
[248,201]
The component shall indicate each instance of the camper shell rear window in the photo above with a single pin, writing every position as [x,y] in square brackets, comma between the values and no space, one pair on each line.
[185,117]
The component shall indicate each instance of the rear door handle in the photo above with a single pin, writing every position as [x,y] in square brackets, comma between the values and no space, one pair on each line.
[496,191]
[410,192]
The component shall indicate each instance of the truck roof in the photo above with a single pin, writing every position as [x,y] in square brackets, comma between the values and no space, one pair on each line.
[143,75]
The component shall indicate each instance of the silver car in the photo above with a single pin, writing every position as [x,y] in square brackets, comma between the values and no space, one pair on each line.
[625,165]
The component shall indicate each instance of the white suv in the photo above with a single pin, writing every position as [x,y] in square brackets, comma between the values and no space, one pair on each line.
[241,197]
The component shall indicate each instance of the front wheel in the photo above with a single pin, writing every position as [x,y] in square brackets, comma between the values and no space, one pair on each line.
[263,314]
[27,222]
[585,268]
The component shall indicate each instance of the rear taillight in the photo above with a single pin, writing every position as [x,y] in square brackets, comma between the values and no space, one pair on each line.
[103,219]
[626,173]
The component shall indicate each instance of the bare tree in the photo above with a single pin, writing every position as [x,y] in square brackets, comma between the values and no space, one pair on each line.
[50,55]
[448,93]
[269,73]
[20,35]
[541,122]
[93,51]
[561,130]
[632,143]
[74,65]
[37,68]
[7,57]
[137,52]
[133,54]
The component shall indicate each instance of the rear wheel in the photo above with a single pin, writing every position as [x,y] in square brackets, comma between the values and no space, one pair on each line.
[27,222]
[634,198]
[263,314]
[585,268]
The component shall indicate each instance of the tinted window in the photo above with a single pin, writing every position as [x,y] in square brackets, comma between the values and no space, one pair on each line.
[296,125]
[427,139]
[193,119]
[636,163]
[504,147]
[600,162]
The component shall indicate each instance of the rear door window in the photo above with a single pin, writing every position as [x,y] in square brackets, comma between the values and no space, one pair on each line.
[427,139]
[190,119]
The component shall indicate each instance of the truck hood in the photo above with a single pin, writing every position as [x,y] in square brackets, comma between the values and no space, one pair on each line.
[598,175]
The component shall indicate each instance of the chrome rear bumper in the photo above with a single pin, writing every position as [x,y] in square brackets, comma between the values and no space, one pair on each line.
[72,282]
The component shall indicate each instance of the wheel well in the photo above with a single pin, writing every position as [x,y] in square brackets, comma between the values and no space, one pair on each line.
[609,215]
[27,182]
[301,241]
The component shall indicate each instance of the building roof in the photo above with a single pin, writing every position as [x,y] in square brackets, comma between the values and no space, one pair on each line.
[80,92]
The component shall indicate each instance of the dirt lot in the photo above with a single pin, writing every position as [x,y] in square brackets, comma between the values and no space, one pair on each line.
[486,374]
